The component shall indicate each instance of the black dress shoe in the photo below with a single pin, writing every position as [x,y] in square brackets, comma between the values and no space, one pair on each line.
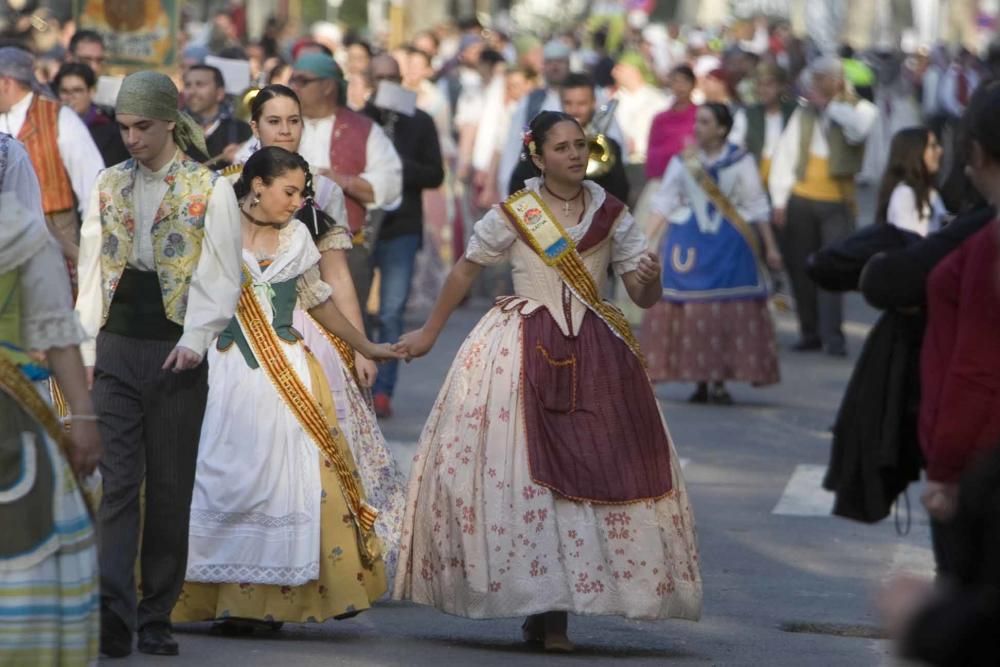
[807,345]
[116,639]
[156,639]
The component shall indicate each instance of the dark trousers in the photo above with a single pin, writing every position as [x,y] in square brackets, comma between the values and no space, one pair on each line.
[811,225]
[359,264]
[150,422]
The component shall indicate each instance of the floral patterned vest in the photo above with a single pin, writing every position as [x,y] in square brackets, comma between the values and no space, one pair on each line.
[177,230]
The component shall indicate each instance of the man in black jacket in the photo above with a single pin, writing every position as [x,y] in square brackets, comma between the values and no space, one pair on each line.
[415,139]
[205,94]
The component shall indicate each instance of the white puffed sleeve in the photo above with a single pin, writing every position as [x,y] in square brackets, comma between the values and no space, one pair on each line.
[311,289]
[628,245]
[491,239]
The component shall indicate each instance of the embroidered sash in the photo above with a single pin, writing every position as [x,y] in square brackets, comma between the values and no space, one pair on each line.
[721,202]
[330,440]
[539,228]
[342,347]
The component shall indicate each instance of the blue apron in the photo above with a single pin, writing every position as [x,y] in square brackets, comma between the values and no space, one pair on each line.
[701,266]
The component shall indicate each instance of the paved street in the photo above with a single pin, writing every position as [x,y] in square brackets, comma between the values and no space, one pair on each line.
[785,584]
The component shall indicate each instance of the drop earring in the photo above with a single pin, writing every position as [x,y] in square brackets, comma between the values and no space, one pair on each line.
[256,200]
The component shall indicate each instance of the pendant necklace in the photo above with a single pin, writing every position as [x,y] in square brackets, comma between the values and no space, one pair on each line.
[566,203]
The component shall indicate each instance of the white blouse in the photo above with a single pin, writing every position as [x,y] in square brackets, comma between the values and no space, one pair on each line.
[493,235]
[903,213]
[215,282]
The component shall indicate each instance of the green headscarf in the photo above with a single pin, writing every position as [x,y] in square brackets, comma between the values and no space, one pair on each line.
[635,59]
[154,95]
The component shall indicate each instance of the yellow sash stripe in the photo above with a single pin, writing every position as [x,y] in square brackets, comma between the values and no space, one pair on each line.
[267,348]
[568,263]
[18,387]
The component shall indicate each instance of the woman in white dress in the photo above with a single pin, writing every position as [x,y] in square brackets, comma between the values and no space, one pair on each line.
[277,121]
[545,481]
[280,529]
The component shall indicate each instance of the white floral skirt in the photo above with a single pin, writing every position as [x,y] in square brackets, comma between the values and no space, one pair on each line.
[482,540]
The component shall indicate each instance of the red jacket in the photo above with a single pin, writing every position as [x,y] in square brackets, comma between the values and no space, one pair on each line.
[960,359]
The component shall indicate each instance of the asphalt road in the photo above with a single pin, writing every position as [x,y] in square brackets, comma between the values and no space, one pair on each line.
[785,583]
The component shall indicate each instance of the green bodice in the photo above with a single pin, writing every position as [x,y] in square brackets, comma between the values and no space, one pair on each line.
[283,297]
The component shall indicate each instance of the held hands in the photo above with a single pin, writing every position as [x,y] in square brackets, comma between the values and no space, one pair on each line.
[181,359]
[415,343]
[648,270]
[366,369]
[381,352]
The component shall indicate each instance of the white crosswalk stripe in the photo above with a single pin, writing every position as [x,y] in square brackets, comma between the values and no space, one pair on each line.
[804,494]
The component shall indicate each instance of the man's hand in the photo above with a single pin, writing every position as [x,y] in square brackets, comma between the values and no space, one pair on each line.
[181,359]
[774,260]
[780,218]
[90,376]
[941,500]
[366,369]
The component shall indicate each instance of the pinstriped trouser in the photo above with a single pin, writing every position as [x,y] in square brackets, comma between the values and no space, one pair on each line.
[150,422]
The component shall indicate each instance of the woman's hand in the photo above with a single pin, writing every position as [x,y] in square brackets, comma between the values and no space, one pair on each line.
[86,451]
[416,343]
[366,369]
[648,270]
[380,352]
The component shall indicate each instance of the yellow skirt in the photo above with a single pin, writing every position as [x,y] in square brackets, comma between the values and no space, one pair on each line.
[345,585]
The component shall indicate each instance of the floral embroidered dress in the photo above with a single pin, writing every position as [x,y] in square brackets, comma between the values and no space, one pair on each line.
[712,324]
[271,536]
[481,537]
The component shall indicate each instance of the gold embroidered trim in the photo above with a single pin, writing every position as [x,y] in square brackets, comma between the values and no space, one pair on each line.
[272,359]
[342,347]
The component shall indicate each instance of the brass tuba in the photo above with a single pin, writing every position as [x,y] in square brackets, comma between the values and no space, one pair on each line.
[601,157]
[244,102]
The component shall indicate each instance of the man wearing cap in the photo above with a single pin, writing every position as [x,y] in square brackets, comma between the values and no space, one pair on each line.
[811,181]
[351,150]
[159,278]
[64,155]
[555,70]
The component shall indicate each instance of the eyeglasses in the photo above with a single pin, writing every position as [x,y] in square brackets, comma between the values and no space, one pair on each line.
[72,91]
[301,81]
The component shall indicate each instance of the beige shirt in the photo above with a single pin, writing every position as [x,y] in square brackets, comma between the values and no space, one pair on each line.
[215,283]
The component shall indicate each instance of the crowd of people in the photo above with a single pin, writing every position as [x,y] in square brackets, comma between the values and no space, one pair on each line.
[202,292]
